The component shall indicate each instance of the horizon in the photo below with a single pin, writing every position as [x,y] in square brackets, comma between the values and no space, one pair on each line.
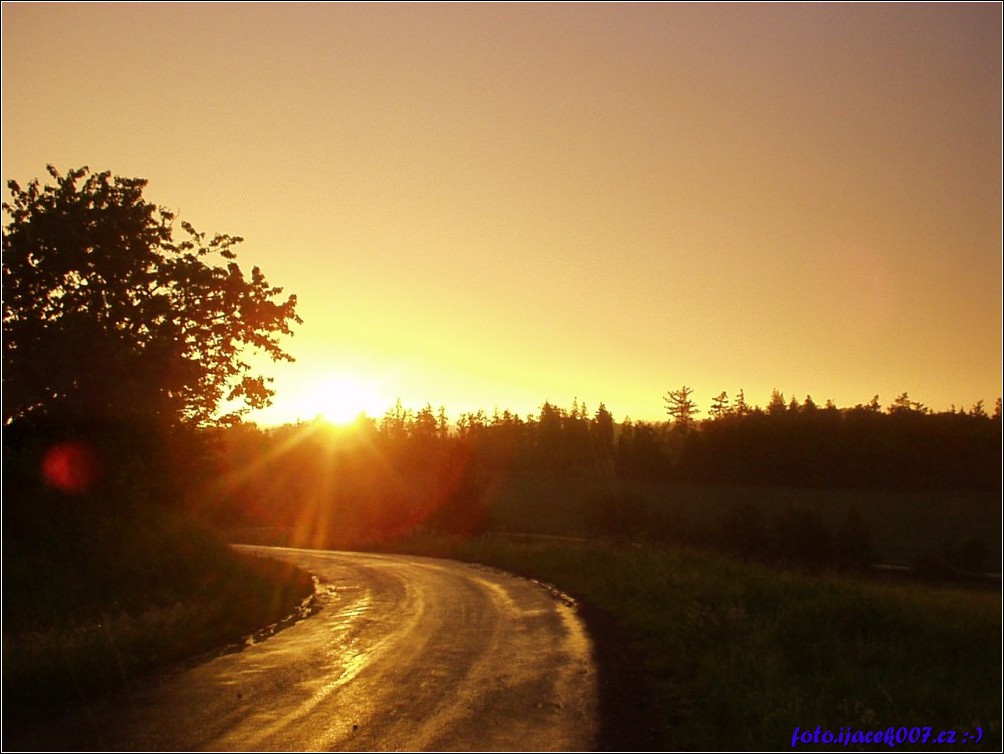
[337,418]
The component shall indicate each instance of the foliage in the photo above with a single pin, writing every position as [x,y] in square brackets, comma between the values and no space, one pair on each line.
[106,315]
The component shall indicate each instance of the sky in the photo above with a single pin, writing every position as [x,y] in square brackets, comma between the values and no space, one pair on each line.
[497,205]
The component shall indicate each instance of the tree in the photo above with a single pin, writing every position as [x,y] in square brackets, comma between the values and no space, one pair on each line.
[978,410]
[904,404]
[395,422]
[471,424]
[105,315]
[602,433]
[680,407]
[603,428]
[425,425]
[777,404]
[741,408]
[550,432]
[719,405]
[442,423]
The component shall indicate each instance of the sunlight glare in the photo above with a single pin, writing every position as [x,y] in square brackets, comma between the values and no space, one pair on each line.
[342,400]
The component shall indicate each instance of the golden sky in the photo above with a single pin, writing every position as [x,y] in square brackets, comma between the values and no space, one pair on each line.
[497,205]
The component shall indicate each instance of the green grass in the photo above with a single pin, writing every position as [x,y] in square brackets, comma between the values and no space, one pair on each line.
[739,655]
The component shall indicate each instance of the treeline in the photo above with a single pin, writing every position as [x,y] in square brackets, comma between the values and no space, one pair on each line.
[904,446]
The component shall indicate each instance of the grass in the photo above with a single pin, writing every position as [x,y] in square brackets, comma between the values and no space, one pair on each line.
[93,599]
[736,656]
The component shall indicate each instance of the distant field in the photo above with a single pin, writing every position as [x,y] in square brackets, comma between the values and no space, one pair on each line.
[716,654]
[903,527]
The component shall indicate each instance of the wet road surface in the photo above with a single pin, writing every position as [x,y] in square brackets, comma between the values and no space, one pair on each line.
[403,653]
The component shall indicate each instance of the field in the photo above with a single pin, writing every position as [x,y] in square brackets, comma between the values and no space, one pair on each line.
[903,528]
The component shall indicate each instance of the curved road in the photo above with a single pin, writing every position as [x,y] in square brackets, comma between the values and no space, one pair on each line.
[404,653]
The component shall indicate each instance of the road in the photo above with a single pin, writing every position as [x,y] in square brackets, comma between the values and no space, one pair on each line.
[403,653]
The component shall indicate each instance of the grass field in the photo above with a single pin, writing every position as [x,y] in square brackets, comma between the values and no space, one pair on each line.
[904,528]
[731,655]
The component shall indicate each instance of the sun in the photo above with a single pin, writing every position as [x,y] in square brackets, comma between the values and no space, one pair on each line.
[341,400]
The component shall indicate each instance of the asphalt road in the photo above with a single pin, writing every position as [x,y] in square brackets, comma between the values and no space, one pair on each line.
[404,653]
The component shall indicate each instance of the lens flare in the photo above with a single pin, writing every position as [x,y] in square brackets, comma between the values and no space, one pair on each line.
[70,467]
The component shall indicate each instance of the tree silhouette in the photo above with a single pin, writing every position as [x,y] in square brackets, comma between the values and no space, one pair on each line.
[777,404]
[903,403]
[106,315]
[680,407]
[550,433]
[719,405]
[741,408]
[603,431]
